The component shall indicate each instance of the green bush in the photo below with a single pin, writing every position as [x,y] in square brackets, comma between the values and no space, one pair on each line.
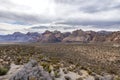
[118,78]
[3,71]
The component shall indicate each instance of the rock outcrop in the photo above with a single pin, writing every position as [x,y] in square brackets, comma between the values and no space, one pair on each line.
[31,71]
[48,37]
[78,36]
[57,36]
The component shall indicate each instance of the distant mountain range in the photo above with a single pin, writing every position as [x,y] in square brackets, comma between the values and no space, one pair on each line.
[20,37]
[57,36]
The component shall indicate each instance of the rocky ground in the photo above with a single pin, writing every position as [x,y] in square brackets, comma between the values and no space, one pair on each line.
[33,71]
[66,61]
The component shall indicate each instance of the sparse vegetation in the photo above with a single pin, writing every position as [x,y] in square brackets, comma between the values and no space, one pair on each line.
[96,58]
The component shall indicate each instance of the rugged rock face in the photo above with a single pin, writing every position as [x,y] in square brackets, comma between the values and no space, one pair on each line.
[20,37]
[99,38]
[57,36]
[51,37]
[31,71]
[13,70]
[91,36]
[48,37]
[78,36]
[114,37]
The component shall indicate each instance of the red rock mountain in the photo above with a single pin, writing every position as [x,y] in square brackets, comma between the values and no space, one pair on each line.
[57,36]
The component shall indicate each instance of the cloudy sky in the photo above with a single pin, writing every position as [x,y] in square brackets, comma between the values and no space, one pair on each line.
[22,15]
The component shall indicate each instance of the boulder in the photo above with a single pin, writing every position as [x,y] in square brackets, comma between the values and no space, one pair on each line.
[31,71]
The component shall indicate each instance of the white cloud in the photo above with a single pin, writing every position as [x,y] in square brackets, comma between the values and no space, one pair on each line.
[9,28]
[13,13]
[33,7]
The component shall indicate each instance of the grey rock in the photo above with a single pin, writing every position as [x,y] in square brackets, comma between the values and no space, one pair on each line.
[67,78]
[30,71]
[105,77]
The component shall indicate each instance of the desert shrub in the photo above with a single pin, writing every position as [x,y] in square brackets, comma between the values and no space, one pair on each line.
[57,75]
[3,71]
[95,56]
[46,66]
[118,78]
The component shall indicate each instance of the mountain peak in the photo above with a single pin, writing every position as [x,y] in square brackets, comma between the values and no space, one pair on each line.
[57,36]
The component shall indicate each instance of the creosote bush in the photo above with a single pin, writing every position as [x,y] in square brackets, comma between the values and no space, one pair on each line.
[3,71]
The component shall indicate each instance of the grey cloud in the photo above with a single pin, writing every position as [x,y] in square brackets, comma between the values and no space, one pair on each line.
[69,1]
[99,8]
[6,4]
[3,30]
[18,18]
[95,23]
[116,6]
[39,27]
[99,5]
[91,6]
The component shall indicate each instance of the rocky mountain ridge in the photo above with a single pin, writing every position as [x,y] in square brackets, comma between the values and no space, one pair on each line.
[57,36]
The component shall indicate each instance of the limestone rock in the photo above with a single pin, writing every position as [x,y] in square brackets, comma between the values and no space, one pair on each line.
[31,71]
